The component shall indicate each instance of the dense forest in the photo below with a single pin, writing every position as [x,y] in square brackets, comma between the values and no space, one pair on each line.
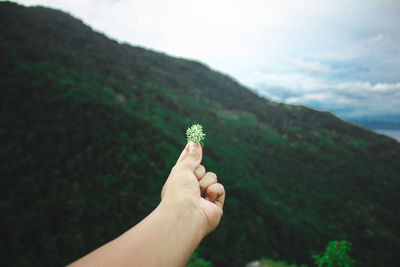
[90,128]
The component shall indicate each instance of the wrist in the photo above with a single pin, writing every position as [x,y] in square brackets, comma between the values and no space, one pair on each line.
[186,215]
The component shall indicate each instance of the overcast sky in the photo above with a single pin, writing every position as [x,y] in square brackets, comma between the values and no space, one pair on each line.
[336,55]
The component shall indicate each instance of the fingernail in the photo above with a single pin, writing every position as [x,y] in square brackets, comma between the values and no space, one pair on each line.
[192,146]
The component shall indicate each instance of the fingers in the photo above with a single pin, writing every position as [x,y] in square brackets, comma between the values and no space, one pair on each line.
[208,179]
[216,194]
[199,172]
[192,158]
[211,190]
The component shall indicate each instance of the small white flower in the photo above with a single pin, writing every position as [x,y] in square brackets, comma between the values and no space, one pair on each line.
[195,133]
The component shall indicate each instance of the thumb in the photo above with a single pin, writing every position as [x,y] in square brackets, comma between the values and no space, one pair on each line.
[194,156]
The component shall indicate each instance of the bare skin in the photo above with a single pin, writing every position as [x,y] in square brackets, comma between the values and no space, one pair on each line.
[190,208]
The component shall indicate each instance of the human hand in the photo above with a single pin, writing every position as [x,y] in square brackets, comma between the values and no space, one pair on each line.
[189,186]
[191,207]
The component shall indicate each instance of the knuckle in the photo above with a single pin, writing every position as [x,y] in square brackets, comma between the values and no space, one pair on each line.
[212,180]
[212,175]
[200,169]
[222,187]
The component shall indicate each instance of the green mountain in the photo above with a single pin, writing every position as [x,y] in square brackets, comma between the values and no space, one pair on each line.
[89,129]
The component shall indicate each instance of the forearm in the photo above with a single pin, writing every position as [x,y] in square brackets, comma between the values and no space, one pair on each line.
[167,237]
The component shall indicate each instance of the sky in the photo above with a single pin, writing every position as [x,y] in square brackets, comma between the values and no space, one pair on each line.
[337,55]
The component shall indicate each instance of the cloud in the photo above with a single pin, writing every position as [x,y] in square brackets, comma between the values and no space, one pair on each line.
[349,98]
[311,67]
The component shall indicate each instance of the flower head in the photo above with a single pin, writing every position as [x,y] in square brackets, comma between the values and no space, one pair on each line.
[195,134]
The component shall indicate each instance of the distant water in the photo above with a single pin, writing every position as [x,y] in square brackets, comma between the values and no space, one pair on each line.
[391,133]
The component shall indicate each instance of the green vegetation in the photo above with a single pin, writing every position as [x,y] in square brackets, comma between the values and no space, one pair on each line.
[90,128]
[195,134]
[196,261]
[272,263]
[336,255]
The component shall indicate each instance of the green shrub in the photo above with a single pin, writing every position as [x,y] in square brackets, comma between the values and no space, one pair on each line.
[196,261]
[335,255]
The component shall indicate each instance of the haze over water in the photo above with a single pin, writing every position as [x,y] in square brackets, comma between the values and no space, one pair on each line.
[391,133]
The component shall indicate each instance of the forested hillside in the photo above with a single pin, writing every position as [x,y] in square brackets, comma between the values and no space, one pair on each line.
[90,128]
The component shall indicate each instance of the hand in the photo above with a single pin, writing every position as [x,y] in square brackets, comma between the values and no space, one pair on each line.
[189,186]
[190,208]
